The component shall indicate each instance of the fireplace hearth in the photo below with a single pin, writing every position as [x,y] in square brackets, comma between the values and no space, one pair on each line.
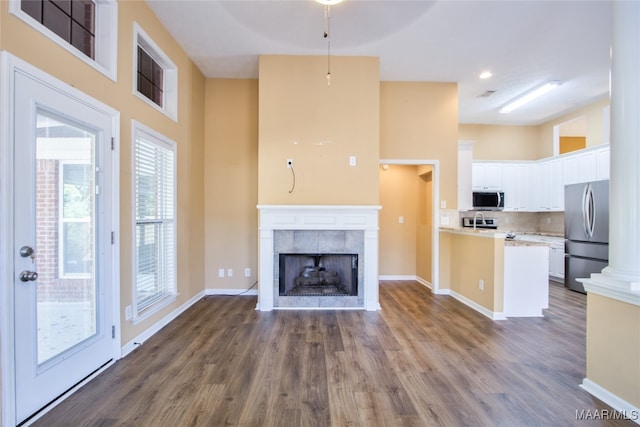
[318,275]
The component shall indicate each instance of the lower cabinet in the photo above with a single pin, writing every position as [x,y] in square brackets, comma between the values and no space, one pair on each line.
[556,262]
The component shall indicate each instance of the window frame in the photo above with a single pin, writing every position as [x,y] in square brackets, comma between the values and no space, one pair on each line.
[61,246]
[170,73]
[106,36]
[170,293]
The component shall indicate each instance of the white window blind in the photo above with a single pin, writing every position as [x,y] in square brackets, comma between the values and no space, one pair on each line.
[155,228]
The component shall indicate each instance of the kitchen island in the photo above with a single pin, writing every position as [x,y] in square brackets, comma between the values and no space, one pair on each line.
[500,278]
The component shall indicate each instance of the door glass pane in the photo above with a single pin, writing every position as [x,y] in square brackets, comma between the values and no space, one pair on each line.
[65,206]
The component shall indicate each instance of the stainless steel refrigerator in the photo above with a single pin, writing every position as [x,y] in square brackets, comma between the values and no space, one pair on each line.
[586,231]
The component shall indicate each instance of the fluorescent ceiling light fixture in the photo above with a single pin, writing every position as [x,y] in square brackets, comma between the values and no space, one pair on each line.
[485,74]
[329,2]
[530,96]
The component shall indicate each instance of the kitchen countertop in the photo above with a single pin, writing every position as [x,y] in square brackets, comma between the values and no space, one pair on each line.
[521,239]
[522,242]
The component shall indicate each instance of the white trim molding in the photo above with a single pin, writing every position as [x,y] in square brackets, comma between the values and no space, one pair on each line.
[610,287]
[153,329]
[494,315]
[627,410]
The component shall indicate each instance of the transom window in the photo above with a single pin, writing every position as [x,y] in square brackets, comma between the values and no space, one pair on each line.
[155,76]
[73,21]
[87,29]
[150,81]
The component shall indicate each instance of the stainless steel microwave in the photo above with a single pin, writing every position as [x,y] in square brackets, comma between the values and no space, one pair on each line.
[488,201]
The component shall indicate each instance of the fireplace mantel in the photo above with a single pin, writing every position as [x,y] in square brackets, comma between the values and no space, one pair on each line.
[317,217]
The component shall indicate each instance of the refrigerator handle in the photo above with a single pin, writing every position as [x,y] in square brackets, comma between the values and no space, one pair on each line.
[592,211]
[585,211]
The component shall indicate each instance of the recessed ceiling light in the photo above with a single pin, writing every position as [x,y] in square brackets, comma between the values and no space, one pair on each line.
[329,2]
[485,74]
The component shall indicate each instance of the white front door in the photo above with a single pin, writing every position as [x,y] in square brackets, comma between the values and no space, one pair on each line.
[62,241]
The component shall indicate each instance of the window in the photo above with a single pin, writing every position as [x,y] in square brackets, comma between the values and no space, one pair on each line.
[86,28]
[73,21]
[155,222]
[149,77]
[155,75]
[76,185]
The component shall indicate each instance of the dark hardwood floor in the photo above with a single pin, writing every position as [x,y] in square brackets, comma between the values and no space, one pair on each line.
[423,360]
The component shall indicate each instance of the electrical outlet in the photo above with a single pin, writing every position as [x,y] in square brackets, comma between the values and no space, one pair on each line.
[443,204]
[221,272]
[128,313]
[481,284]
[247,272]
[289,163]
[400,220]
[352,160]
[229,272]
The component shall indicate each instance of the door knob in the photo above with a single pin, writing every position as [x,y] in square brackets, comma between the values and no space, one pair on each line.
[28,276]
[26,251]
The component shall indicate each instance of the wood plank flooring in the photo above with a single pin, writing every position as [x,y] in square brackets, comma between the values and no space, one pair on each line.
[423,360]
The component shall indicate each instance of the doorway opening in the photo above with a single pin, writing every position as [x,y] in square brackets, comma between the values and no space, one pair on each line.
[409,239]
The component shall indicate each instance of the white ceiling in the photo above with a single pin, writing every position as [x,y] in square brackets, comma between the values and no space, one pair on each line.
[524,44]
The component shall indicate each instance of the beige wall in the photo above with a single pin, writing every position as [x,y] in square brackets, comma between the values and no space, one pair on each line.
[593,114]
[474,258]
[419,120]
[319,127]
[572,143]
[398,242]
[406,248]
[231,182]
[34,48]
[613,346]
[494,142]
[424,250]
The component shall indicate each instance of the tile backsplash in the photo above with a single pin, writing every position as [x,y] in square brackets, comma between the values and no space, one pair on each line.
[523,222]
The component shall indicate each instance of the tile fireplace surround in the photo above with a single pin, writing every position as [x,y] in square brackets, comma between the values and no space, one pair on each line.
[310,229]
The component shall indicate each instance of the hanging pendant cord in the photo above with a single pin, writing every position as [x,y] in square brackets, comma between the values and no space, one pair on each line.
[327,35]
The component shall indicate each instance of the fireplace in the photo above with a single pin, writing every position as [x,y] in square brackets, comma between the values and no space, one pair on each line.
[330,251]
[318,275]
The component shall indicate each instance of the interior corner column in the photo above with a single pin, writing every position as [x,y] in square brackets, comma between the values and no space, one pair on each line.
[624,196]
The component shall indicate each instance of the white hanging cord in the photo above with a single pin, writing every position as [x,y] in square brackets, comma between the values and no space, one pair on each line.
[327,35]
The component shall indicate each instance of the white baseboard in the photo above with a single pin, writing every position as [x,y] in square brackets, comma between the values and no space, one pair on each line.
[477,307]
[397,277]
[149,332]
[231,292]
[625,408]
[424,282]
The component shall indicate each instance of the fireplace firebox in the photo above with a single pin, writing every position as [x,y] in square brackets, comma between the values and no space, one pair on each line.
[318,274]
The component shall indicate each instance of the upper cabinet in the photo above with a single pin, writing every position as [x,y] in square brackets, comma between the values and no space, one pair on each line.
[538,186]
[486,176]
[517,179]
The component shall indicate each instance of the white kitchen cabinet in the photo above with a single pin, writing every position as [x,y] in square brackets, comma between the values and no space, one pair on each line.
[517,184]
[556,262]
[571,173]
[550,185]
[486,176]
[586,165]
[602,163]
